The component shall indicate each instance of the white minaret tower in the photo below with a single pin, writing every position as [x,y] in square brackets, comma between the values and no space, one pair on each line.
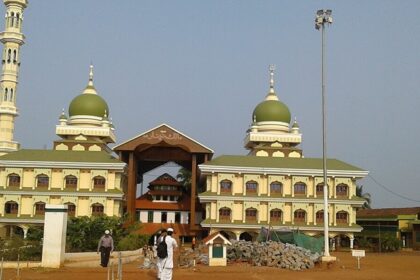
[12,38]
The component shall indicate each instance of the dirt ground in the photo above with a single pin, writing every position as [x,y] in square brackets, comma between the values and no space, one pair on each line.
[400,266]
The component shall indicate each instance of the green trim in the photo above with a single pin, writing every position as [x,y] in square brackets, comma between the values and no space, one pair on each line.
[376,219]
[264,223]
[57,190]
[276,162]
[56,210]
[60,156]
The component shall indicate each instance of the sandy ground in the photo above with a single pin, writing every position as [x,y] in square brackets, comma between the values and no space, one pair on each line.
[400,266]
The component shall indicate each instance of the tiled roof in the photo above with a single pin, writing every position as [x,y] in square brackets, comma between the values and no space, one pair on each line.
[161,192]
[277,162]
[154,228]
[165,180]
[387,212]
[145,203]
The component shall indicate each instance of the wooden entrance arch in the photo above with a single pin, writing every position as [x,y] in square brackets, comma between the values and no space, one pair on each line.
[156,147]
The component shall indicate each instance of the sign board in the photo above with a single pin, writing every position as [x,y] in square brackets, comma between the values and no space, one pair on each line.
[358,253]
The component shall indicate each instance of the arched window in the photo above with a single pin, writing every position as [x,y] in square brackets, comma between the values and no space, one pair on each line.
[14,180]
[97,209]
[276,188]
[224,214]
[225,186]
[40,208]
[11,207]
[9,55]
[71,182]
[42,181]
[71,209]
[250,214]
[300,188]
[341,190]
[300,216]
[251,187]
[319,217]
[17,19]
[14,56]
[12,17]
[341,218]
[275,215]
[11,95]
[320,189]
[6,91]
[99,182]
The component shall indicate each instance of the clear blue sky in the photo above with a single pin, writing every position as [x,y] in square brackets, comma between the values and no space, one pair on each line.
[202,67]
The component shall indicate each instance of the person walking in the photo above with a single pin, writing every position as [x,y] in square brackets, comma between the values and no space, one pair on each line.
[160,260]
[167,264]
[106,247]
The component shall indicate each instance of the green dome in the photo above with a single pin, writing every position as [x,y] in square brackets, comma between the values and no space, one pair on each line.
[271,110]
[88,104]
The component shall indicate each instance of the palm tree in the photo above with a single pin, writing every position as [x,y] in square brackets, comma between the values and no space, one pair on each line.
[184,176]
[365,196]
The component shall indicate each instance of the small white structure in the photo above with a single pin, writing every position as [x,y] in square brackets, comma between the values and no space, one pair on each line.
[217,249]
[55,229]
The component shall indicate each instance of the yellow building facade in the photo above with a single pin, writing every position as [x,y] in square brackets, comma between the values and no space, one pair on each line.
[80,171]
[275,186]
[88,182]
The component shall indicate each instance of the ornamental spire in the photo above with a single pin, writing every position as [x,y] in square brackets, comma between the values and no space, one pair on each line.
[271,93]
[91,75]
[90,88]
[271,68]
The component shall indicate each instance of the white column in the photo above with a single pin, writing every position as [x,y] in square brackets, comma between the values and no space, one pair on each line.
[351,242]
[25,232]
[55,229]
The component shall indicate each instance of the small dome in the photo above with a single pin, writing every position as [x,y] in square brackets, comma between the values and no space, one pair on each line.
[88,104]
[63,116]
[271,110]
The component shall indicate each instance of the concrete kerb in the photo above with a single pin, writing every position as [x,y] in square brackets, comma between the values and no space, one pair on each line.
[91,259]
[87,259]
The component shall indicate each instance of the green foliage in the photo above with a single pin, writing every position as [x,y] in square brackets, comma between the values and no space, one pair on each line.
[184,176]
[35,234]
[16,247]
[365,196]
[133,241]
[364,243]
[83,233]
[390,243]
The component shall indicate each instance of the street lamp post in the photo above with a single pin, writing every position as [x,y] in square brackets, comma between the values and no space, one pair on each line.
[322,18]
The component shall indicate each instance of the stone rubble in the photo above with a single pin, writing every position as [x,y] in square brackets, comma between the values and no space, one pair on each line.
[272,254]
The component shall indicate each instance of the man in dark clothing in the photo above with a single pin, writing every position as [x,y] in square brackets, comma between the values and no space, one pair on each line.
[106,246]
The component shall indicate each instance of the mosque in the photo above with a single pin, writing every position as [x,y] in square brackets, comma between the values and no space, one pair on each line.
[274,186]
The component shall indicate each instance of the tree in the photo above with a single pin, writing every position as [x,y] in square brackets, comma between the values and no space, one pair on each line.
[365,196]
[184,176]
[83,233]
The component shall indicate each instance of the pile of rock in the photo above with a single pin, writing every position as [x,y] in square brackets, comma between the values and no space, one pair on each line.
[273,254]
[189,258]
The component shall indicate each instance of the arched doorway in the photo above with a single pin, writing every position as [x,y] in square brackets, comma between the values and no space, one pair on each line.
[154,148]
[228,235]
[245,236]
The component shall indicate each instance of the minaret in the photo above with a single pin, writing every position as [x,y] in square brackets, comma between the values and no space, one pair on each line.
[12,38]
